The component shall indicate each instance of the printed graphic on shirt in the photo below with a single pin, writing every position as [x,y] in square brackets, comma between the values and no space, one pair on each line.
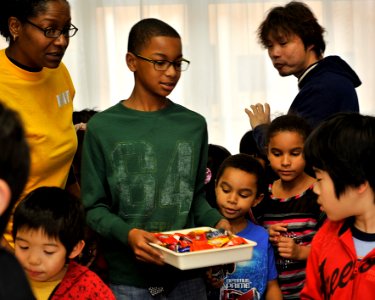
[343,275]
[248,279]
[137,172]
[63,98]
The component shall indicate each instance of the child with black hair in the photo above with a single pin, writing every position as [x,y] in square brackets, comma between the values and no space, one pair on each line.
[80,119]
[14,170]
[216,155]
[239,186]
[249,146]
[290,210]
[48,231]
[341,264]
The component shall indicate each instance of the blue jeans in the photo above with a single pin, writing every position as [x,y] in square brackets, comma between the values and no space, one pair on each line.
[188,289]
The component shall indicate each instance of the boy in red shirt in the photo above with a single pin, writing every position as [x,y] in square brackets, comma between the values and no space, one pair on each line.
[341,264]
[48,231]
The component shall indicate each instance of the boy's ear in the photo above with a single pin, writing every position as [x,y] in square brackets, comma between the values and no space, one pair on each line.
[258,200]
[131,61]
[77,249]
[5,195]
[363,187]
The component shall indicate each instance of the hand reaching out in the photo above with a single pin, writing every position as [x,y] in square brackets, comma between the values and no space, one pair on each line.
[139,241]
[259,114]
[224,224]
[80,126]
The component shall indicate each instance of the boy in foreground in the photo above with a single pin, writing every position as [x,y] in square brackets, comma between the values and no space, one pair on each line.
[341,263]
[48,231]
[143,169]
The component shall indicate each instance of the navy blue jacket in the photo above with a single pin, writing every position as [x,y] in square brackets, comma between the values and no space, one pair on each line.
[326,89]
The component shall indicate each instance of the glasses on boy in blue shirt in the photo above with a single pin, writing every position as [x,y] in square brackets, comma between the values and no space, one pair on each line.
[181,64]
[51,32]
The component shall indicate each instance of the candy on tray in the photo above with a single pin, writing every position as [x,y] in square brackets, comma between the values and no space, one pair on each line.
[196,240]
[200,253]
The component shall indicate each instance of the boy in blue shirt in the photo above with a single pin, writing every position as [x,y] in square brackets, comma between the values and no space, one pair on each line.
[239,186]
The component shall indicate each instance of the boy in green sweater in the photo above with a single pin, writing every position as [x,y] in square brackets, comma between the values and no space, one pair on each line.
[143,171]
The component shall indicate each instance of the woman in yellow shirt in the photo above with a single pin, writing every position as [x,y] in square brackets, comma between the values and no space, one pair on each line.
[34,82]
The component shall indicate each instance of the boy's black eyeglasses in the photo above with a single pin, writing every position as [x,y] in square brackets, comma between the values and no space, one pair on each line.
[51,32]
[163,64]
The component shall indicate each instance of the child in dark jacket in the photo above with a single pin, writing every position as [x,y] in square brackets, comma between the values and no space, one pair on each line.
[48,230]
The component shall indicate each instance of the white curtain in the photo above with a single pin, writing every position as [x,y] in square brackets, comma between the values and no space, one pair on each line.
[229,69]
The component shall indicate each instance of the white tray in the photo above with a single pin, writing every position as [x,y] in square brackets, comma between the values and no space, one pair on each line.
[208,257]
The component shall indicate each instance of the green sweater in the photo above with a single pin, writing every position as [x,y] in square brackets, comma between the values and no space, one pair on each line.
[144,170]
